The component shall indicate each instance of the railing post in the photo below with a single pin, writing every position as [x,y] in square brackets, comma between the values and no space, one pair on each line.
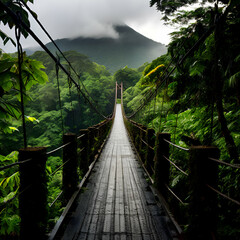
[91,142]
[70,175]
[203,205]
[137,139]
[150,153]
[141,144]
[136,136]
[84,157]
[161,167]
[33,193]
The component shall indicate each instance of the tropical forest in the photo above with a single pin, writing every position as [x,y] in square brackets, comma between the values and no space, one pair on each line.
[191,91]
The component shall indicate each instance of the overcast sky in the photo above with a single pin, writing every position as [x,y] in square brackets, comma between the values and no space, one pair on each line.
[93,18]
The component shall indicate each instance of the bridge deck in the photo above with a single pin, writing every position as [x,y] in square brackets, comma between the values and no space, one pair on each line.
[117,202]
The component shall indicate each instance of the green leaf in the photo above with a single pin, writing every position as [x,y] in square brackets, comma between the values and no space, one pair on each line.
[6,38]
[13,129]
[234,79]
[175,181]
[11,181]
[32,119]
[196,69]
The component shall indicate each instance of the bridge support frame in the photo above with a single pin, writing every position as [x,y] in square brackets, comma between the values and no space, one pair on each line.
[84,157]
[203,204]
[149,162]
[70,175]
[162,166]
[33,193]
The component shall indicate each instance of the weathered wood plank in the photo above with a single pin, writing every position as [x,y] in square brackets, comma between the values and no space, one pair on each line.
[117,202]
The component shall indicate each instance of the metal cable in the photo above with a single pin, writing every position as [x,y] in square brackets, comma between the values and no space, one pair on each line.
[15,164]
[223,195]
[60,51]
[21,23]
[147,144]
[200,40]
[16,195]
[55,200]
[52,174]
[182,148]
[174,194]
[81,136]
[55,150]
[59,93]
[70,93]
[20,62]
[175,166]
[224,163]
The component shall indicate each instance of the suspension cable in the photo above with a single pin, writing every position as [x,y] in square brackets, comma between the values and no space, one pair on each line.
[59,93]
[71,99]
[20,62]
[54,43]
[21,23]
[196,45]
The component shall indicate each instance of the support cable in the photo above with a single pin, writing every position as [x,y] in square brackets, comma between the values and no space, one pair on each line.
[15,164]
[71,99]
[183,172]
[223,195]
[175,145]
[21,23]
[59,93]
[54,43]
[20,61]
[196,45]
[225,163]
[174,194]
[57,149]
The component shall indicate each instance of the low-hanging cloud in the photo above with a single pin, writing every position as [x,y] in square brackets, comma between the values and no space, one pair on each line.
[91,18]
[94,18]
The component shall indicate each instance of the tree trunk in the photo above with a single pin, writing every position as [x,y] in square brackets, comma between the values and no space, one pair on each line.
[231,147]
[219,83]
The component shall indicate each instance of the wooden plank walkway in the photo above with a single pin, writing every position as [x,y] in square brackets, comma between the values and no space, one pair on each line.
[117,202]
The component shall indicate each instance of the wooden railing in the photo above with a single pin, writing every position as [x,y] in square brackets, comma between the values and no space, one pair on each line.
[79,153]
[201,177]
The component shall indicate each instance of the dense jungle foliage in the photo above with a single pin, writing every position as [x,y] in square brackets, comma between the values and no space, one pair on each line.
[44,119]
[198,104]
[44,112]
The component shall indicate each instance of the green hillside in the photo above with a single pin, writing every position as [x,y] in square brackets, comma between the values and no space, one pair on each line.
[131,49]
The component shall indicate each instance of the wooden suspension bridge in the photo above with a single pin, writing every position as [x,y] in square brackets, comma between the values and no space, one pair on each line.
[118,202]
[116,198]
[126,169]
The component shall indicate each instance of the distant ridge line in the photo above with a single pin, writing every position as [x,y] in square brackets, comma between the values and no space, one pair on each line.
[131,49]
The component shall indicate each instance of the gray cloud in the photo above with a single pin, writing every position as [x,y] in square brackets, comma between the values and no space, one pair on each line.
[95,18]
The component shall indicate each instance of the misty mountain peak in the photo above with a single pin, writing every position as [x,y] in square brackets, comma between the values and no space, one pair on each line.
[130,48]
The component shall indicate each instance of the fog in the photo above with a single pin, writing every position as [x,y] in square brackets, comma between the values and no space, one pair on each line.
[91,18]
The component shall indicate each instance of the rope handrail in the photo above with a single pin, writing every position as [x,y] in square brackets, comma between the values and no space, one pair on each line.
[224,163]
[16,195]
[14,164]
[175,145]
[20,23]
[147,144]
[223,195]
[137,125]
[54,43]
[174,194]
[79,137]
[55,200]
[59,148]
[52,174]
[175,165]
[180,61]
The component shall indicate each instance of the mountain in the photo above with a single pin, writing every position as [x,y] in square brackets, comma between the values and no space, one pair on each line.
[129,49]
